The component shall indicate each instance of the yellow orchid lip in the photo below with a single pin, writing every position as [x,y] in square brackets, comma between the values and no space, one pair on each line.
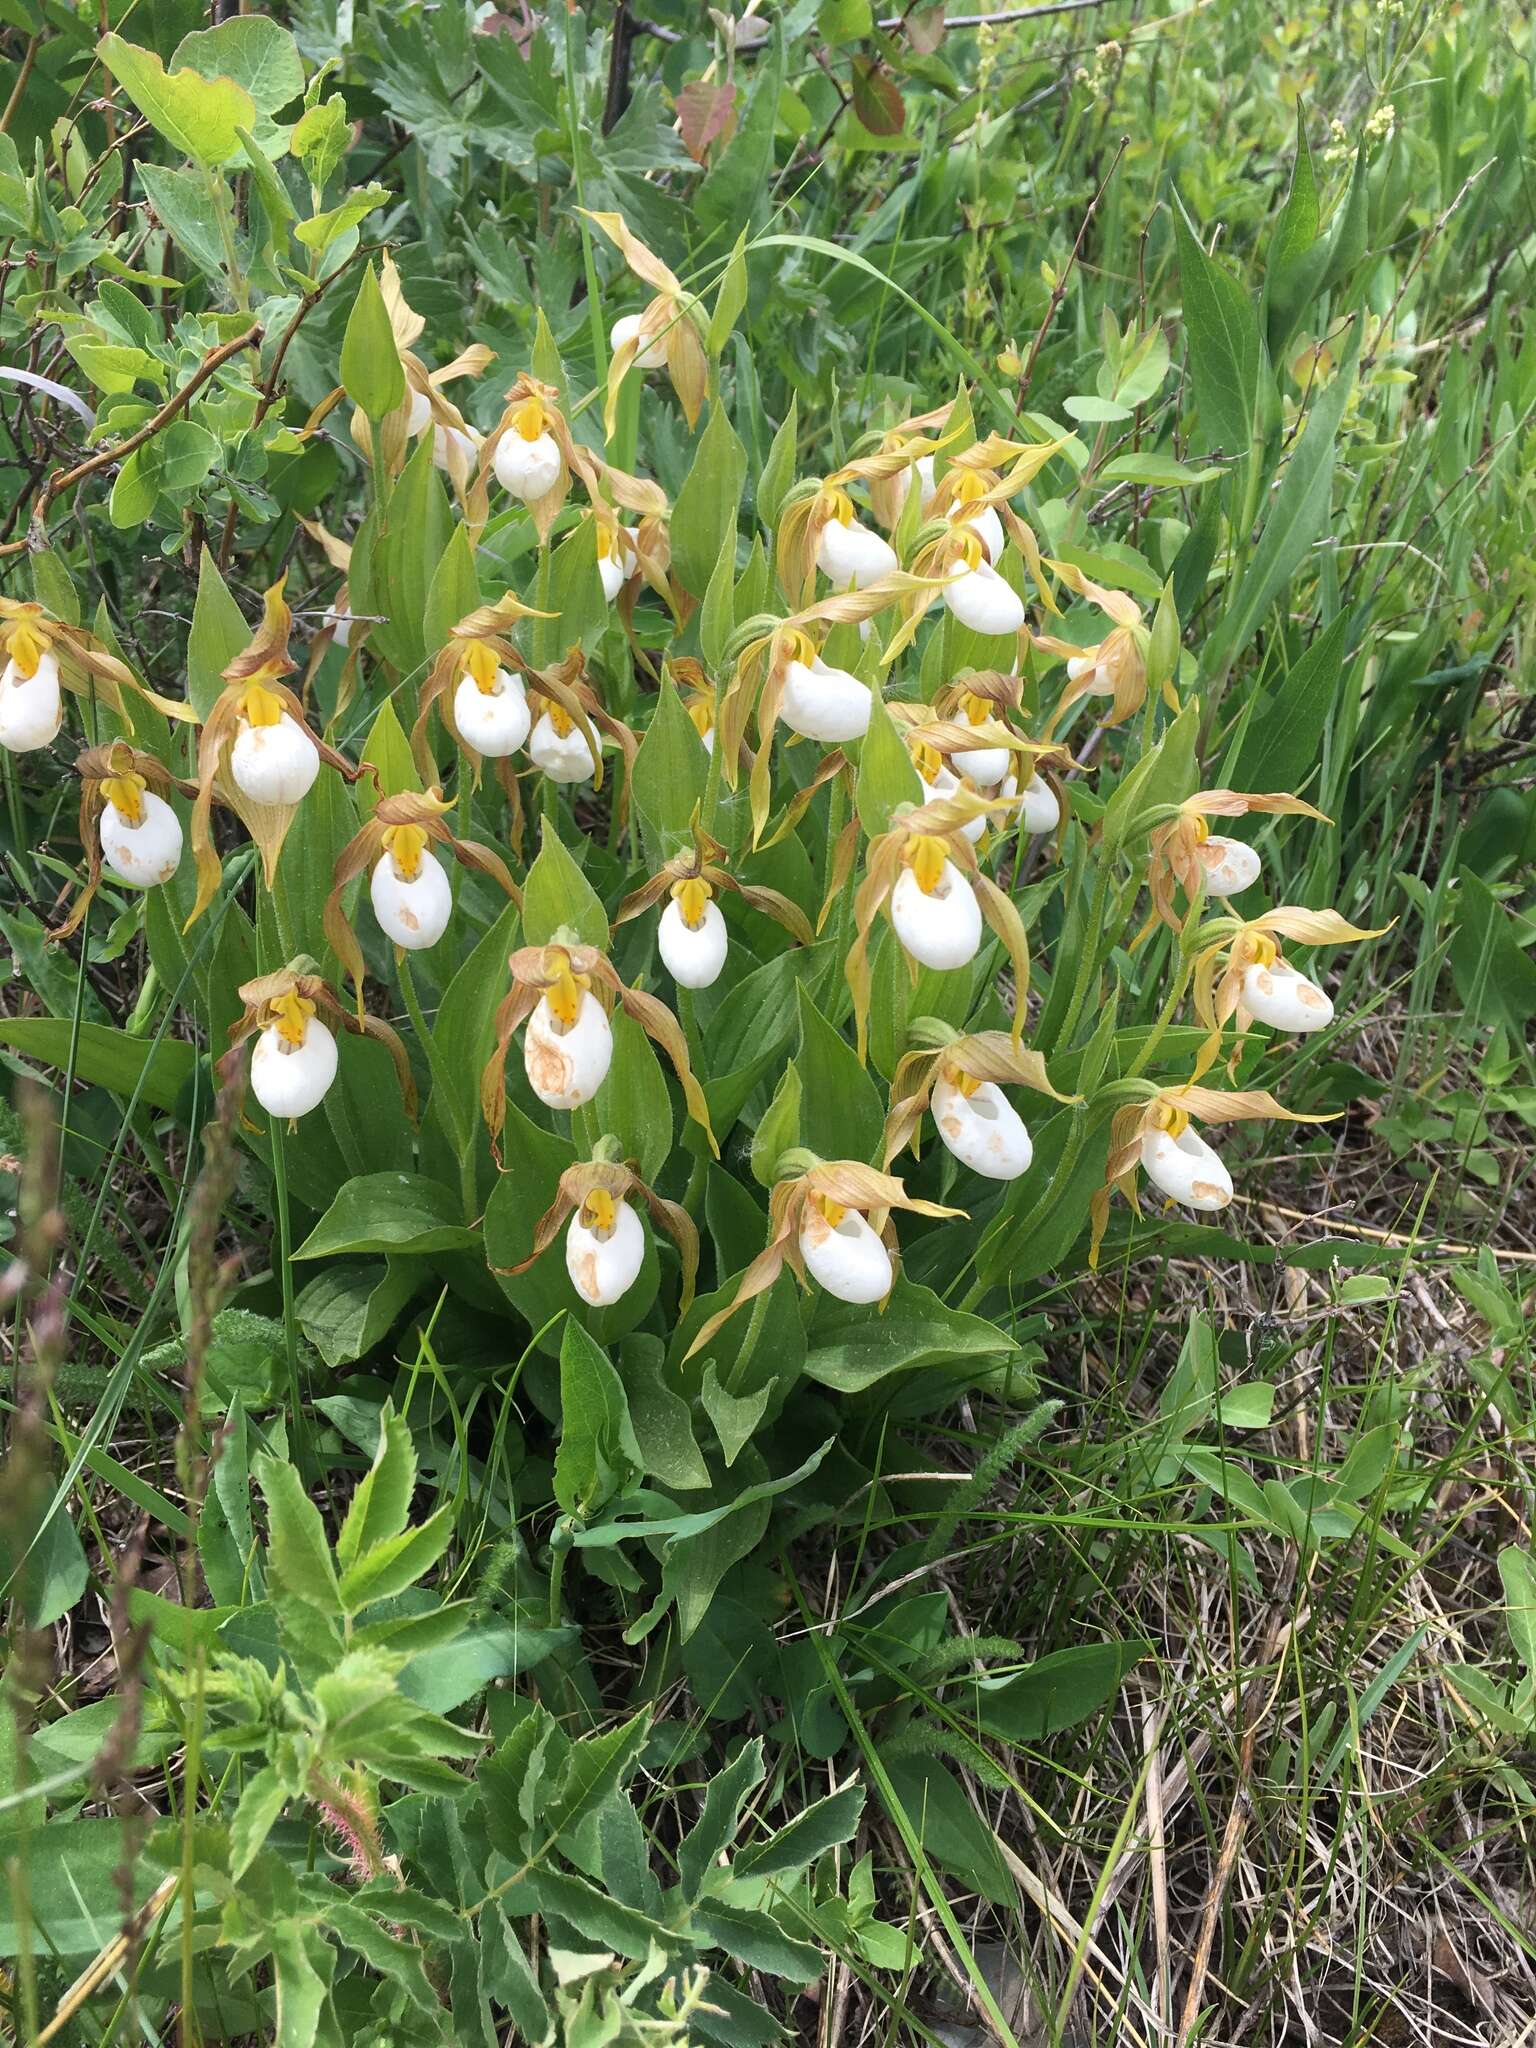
[977,709]
[957,1077]
[481,666]
[26,647]
[259,705]
[1167,1116]
[928,761]
[125,793]
[971,551]
[559,717]
[407,843]
[926,855]
[599,1212]
[692,896]
[528,419]
[291,1014]
[702,712]
[968,487]
[1261,949]
[833,1211]
[564,995]
[837,505]
[799,647]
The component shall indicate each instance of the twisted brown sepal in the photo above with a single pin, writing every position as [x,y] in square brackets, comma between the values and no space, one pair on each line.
[96,766]
[668,319]
[847,1182]
[259,995]
[367,846]
[579,1181]
[536,969]
[1176,852]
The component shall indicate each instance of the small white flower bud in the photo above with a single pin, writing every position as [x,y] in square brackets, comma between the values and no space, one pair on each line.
[274,764]
[144,854]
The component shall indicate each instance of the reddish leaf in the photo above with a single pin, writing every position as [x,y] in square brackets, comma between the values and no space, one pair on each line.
[707,114]
[925,29]
[876,99]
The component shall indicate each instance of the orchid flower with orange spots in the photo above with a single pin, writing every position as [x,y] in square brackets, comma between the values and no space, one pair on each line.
[604,1241]
[564,992]
[294,1015]
[1185,852]
[1240,972]
[829,1221]
[1114,667]
[125,822]
[960,1078]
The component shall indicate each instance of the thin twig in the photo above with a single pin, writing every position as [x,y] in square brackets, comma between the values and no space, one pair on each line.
[64,480]
[1008,14]
[1059,289]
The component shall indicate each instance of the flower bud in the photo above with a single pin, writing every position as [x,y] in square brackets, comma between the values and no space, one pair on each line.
[561,750]
[566,1064]
[846,1257]
[983,600]
[983,1129]
[926,482]
[494,720]
[853,554]
[650,354]
[287,1078]
[1186,1168]
[31,706]
[692,937]
[604,1249]
[616,560]
[1277,995]
[940,925]
[274,764]
[143,851]
[1230,866]
[824,703]
[412,909]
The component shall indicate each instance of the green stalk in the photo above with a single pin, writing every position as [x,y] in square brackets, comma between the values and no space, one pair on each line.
[290,1321]
[1087,961]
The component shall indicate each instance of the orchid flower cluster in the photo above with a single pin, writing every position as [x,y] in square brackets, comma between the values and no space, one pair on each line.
[925,513]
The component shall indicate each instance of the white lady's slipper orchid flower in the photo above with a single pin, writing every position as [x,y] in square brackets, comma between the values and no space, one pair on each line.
[1280,997]
[446,439]
[824,703]
[848,551]
[616,559]
[980,598]
[843,1253]
[939,780]
[273,759]
[1039,807]
[926,482]
[1230,866]
[410,891]
[984,765]
[558,746]
[419,418]
[31,701]
[527,458]
[981,1127]
[691,936]
[294,1061]
[933,908]
[490,705]
[140,833]
[1182,1164]
[982,520]
[604,1249]
[568,1045]
[650,354]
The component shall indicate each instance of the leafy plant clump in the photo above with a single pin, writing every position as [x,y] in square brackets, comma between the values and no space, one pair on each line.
[617,901]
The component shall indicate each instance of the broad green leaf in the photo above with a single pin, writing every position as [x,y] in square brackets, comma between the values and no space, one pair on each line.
[370,363]
[949,1827]
[557,893]
[670,772]
[1297,256]
[199,116]
[850,1349]
[597,1456]
[840,1110]
[111,1059]
[175,462]
[819,1827]
[1518,1578]
[218,633]
[1225,356]
[1055,1692]
[757,1939]
[886,775]
[633,1104]
[382,1501]
[705,511]
[388,750]
[299,1558]
[389,1212]
[1282,745]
